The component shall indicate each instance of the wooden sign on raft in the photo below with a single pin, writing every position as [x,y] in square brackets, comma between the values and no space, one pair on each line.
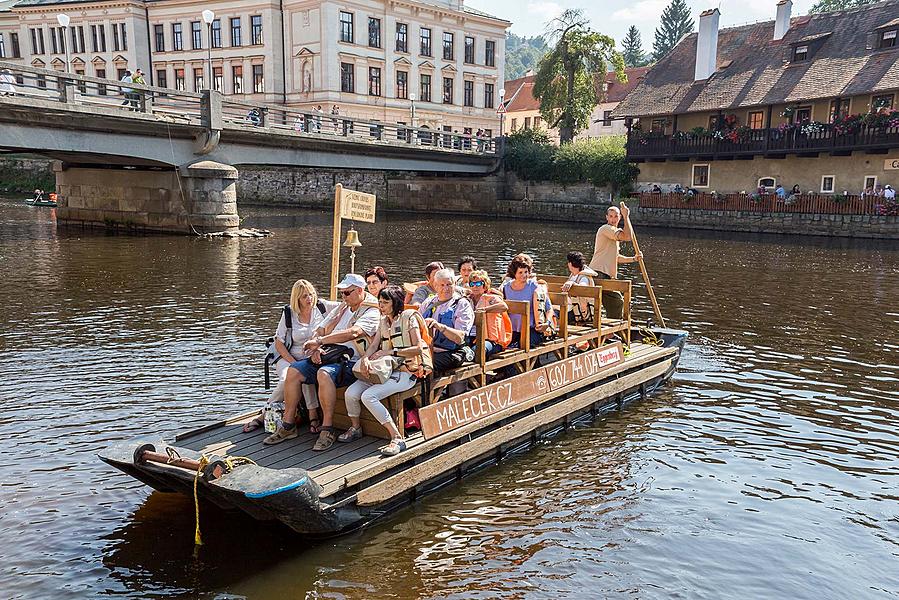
[466,408]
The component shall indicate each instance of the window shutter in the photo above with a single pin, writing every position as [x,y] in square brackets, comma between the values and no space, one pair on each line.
[871,41]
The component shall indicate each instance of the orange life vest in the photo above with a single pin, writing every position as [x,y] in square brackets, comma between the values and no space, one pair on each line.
[499,325]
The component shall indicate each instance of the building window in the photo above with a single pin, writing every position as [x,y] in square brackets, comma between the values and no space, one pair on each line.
[101,87]
[235,31]
[42,81]
[236,79]
[659,125]
[700,176]
[514,124]
[756,119]
[217,33]
[882,102]
[402,85]
[121,32]
[490,53]
[82,87]
[161,78]
[256,30]
[870,183]
[374,81]
[116,45]
[198,80]
[346,27]
[447,90]
[839,108]
[606,118]
[37,41]
[425,88]
[469,49]
[346,78]
[177,40]
[468,96]
[2,46]
[769,183]
[803,114]
[57,40]
[887,39]
[218,79]
[537,122]
[78,39]
[196,35]
[102,30]
[425,36]
[14,42]
[402,37]
[800,53]
[179,80]
[258,80]
[374,32]
[447,46]
[158,36]
[488,95]
[527,122]
[827,184]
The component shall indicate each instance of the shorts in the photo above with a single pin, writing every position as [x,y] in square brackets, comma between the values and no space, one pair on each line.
[341,373]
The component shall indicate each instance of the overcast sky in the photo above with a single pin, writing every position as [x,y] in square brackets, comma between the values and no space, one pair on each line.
[613,17]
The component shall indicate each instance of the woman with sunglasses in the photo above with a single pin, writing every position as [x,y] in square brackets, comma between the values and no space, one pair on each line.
[486,300]
[375,280]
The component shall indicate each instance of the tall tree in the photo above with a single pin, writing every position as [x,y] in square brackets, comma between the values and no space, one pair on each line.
[831,5]
[632,48]
[564,80]
[675,24]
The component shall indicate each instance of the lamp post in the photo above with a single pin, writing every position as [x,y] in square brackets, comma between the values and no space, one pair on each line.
[502,115]
[208,18]
[63,20]
[412,133]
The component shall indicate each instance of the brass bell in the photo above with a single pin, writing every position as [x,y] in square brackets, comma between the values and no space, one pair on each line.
[352,239]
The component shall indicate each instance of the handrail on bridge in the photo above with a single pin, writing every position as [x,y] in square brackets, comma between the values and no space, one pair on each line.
[213,110]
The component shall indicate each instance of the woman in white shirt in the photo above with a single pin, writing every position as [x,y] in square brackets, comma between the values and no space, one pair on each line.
[307,313]
[580,274]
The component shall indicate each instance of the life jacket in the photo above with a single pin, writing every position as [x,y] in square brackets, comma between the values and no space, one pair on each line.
[53,196]
[445,318]
[419,366]
[499,326]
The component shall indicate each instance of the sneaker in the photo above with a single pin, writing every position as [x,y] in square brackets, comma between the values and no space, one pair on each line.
[394,448]
[325,440]
[351,434]
[280,435]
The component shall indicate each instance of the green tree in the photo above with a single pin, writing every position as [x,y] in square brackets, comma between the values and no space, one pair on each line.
[831,5]
[564,80]
[523,54]
[632,48]
[675,24]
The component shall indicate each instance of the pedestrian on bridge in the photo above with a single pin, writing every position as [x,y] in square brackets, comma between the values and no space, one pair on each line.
[7,82]
[126,91]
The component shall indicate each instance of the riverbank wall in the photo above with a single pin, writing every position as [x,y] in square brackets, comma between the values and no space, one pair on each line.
[498,195]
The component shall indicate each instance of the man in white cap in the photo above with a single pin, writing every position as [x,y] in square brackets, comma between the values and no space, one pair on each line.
[356,317]
[888,192]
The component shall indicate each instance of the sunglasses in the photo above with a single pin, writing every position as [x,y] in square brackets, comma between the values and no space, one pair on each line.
[346,293]
[476,284]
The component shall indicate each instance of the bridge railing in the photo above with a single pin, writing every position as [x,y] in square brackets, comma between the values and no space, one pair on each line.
[188,107]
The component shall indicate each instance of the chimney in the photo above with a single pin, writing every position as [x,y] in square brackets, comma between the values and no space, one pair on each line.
[782,20]
[707,44]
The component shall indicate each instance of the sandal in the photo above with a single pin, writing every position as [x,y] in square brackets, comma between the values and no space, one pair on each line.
[315,425]
[325,440]
[395,447]
[253,425]
[350,435]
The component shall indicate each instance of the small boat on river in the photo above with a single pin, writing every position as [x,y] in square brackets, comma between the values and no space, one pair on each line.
[587,370]
[39,200]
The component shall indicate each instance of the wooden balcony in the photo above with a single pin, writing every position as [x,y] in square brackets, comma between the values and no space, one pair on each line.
[774,143]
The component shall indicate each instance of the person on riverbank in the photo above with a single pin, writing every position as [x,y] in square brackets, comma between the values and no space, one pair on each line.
[580,312]
[449,317]
[401,335]
[607,255]
[467,264]
[889,193]
[524,287]
[423,292]
[485,299]
[355,318]
[375,280]
[298,324]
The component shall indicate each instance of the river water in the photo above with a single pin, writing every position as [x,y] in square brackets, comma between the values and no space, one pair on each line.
[769,467]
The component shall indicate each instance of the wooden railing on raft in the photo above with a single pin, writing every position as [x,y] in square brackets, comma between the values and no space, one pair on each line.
[524,358]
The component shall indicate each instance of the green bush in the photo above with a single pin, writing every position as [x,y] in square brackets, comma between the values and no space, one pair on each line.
[600,161]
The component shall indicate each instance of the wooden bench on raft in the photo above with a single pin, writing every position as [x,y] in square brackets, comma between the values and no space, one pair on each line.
[523,358]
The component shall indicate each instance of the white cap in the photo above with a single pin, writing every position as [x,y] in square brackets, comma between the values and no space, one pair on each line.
[350,280]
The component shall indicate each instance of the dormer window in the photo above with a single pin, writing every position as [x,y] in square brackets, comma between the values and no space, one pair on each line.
[887,39]
[800,53]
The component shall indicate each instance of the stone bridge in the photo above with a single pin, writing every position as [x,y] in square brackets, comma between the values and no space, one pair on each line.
[160,159]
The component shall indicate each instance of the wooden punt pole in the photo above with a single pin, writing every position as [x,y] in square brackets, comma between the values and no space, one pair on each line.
[652,296]
[335,241]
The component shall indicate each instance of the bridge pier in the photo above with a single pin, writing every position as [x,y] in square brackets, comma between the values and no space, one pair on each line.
[199,197]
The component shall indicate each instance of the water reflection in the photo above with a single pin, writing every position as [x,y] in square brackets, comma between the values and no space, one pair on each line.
[767,468]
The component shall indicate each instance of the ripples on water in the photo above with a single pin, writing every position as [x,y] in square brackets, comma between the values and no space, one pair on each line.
[768,468]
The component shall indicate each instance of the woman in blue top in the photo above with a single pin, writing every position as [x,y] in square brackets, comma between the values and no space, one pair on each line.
[526,289]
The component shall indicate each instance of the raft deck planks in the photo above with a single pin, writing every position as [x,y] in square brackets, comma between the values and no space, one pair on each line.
[357,462]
